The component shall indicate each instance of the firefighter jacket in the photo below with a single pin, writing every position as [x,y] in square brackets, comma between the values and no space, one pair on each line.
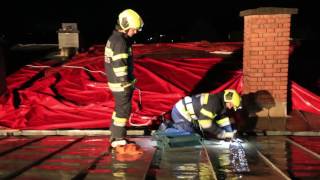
[204,108]
[118,62]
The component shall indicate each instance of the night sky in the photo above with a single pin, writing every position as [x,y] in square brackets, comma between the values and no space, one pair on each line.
[36,21]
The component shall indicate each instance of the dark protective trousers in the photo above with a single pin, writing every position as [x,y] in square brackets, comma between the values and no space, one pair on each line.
[122,109]
[180,123]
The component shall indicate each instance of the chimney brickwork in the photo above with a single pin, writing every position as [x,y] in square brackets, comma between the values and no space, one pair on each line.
[266,54]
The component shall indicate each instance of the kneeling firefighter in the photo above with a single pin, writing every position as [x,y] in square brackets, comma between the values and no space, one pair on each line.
[206,112]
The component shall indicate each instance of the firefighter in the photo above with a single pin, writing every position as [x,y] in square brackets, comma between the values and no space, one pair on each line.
[119,69]
[207,113]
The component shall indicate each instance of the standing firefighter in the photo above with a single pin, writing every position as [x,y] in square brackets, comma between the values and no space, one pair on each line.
[206,112]
[119,70]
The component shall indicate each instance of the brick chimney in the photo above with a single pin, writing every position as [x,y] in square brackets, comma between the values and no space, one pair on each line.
[266,55]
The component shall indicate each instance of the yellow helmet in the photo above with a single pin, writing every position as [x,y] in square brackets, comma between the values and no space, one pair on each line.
[231,95]
[130,19]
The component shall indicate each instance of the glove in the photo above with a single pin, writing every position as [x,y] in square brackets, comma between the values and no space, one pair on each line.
[226,135]
[133,83]
[128,152]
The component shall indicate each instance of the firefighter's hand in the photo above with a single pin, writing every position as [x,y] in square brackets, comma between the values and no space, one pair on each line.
[227,135]
[133,82]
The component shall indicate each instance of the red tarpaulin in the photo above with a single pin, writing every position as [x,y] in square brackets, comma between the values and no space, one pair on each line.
[304,100]
[75,95]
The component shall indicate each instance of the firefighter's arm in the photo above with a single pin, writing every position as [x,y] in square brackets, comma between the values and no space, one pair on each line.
[226,135]
[120,64]
[212,129]
[225,124]
[206,122]
[206,119]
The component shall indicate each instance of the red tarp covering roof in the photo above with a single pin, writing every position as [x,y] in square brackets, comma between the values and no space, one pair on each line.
[74,95]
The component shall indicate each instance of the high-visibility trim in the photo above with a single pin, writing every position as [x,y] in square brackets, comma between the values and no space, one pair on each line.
[223,122]
[205,123]
[118,87]
[119,121]
[121,71]
[204,98]
[119,74]
[207,113]
[108,52]
[182,110]
[188,103]
[187,99]
[106,59]
[120,56]
[191,111]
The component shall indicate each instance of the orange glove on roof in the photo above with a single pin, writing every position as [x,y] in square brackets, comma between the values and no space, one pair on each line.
[128,152]
[130,149]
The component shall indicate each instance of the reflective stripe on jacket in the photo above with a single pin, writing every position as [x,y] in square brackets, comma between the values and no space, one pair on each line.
[118,62]
[202,106]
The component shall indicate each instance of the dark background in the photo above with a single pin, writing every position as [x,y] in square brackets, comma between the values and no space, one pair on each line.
[35,21]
